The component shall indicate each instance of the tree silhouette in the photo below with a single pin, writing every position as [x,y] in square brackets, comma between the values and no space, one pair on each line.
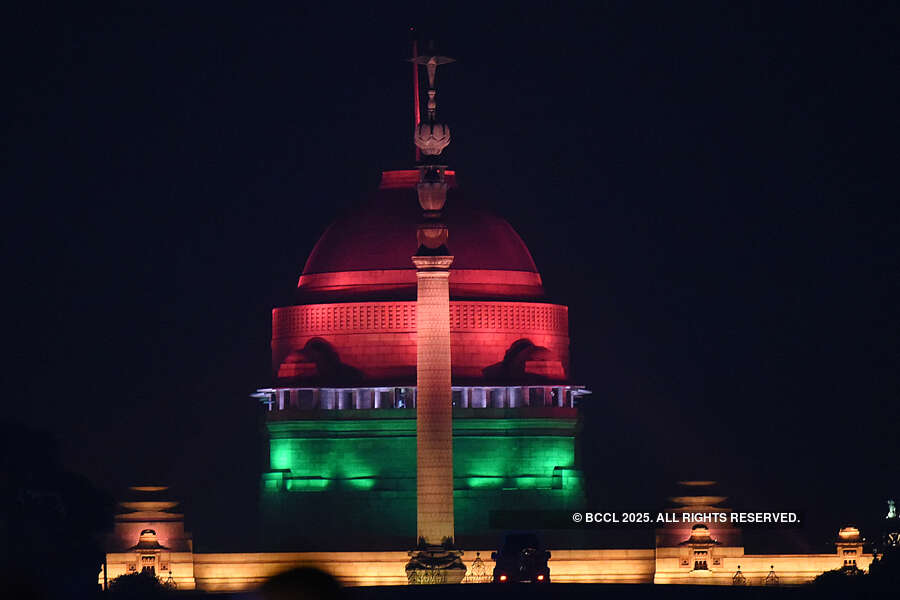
[53,520]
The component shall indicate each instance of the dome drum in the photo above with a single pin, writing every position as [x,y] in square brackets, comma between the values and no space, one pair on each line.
[376,342]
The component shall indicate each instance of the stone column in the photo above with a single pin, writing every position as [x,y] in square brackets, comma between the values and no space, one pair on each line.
[434,413]
[434,560]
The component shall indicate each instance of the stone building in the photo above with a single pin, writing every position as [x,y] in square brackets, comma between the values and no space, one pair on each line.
[340,492]
[341,413]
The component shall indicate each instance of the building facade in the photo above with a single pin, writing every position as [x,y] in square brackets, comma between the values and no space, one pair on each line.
[341,415]
[340,491]
[149,536]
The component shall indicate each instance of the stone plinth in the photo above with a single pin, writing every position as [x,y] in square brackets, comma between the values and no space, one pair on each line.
[435,565]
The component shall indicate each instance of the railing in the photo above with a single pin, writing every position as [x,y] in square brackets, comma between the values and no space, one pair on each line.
[405,397]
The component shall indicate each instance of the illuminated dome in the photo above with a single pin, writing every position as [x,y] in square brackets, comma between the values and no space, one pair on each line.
[354,321]
[366,254]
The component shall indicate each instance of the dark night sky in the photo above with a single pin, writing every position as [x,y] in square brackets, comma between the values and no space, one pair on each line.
[711,188]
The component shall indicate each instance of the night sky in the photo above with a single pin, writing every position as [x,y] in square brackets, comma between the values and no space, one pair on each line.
[711,188]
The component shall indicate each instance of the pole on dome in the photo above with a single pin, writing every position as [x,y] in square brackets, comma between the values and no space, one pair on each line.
[417,114]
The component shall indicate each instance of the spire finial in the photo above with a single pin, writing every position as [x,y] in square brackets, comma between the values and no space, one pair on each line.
[432,137]
[431,62]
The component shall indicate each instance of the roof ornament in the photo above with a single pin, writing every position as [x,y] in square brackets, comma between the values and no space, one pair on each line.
[430,137]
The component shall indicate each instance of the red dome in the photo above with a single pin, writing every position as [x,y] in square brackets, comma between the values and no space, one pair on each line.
[366,255]
[355,320]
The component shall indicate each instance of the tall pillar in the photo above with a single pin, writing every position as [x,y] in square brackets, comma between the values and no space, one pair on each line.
[435,560]
[434,412]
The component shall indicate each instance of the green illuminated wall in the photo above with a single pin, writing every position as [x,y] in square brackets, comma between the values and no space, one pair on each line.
[353,475]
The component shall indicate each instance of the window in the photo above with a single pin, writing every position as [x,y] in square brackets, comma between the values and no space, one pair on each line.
[148,564]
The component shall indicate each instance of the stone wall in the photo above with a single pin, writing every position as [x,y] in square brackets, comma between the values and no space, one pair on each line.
[236,572]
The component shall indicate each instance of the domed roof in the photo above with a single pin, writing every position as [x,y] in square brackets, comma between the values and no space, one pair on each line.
[366,255]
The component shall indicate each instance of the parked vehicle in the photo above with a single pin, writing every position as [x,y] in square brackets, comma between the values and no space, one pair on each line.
[522,559]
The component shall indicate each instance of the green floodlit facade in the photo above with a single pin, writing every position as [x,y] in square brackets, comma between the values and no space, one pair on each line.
[348,480]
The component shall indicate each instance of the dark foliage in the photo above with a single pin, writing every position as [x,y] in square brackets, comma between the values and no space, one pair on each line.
[883,577]
[886,569]
[53,521]
[137,585]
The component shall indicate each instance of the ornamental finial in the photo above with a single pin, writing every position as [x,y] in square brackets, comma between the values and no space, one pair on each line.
[431,137]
